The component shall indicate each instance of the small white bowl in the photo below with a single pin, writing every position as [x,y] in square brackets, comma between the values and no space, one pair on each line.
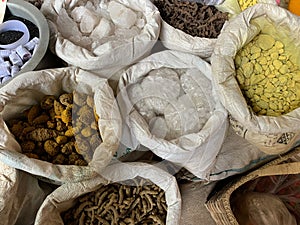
[29,12]
[15,25]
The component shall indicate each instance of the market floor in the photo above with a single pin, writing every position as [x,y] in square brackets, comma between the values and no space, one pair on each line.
[193,197]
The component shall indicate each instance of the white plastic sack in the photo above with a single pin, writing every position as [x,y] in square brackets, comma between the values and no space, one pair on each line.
[272,135]
[28,89]
[63,197]
[193,145]
[83,33]
[20,196]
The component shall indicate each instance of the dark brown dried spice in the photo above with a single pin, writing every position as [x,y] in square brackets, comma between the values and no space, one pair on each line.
[192,18]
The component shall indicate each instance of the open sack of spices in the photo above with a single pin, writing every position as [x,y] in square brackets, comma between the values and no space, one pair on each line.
[134,193]
[169,106]
[60,124]
[190,26]
[257,76]
[268,195]
[103,36]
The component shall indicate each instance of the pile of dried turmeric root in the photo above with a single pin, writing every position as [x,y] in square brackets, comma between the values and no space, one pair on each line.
[61,130]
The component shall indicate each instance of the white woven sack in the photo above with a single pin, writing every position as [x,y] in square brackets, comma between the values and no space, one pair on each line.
[109,56]
[28,89]
[195,150]
[63,197]
[272,135]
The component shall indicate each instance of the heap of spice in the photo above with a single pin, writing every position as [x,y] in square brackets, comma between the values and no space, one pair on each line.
[59,130]
[268,77]
[136,201]
[244,4]
[192,17]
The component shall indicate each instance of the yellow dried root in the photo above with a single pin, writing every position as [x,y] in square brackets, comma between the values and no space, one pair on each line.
[51,147]
[47,130]
[47,102]
[267,76]
[66,99]
[58,108]
[66,115]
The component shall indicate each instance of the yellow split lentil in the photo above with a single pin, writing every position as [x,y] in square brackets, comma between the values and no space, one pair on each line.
[269,80]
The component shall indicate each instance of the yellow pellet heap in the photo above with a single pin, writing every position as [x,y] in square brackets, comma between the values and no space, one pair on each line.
[244,4]
[268,78]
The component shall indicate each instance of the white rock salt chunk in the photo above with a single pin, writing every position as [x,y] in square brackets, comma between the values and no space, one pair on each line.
[124,33]
[66,26]
[172,119]
[90,5]
[182,117]
[88,22]
[140,23]
[158,127]
[163,83]
[135,93]
[189,115]
[104,28]
[121,15]
[157,104]
[103,4]
[77,13]
[139,101]
[199,88]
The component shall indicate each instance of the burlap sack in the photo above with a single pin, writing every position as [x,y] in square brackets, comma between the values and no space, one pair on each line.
[272,135]
[28,89]
[110,55]
[63,197]
[194,149]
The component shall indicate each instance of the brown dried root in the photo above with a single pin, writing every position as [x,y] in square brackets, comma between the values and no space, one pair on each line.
[58,108]
[32,113]
[66,99]
[42,134]
[192,17]
[51,147]
[119,204]
[47,102]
